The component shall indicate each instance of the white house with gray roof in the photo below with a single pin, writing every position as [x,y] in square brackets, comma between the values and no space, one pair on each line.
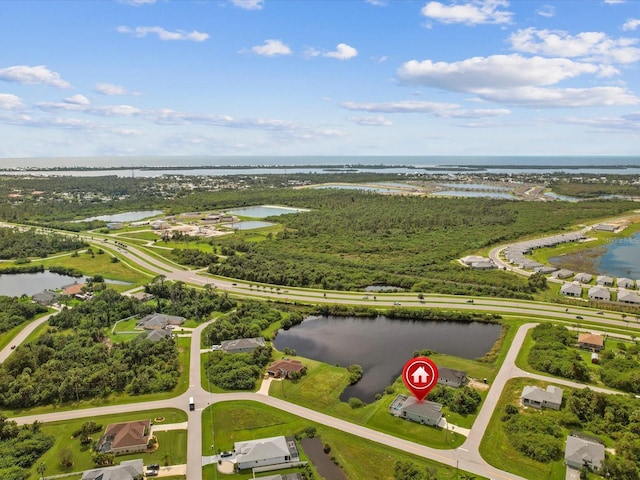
[599,293]
[407,407]
[571,289]
[562,273]
[581,452]
[451,377]
[266,451]
[622,282]
[159,321]
[625,296]
[127,470]
[583,277]
[604,280]
[539,398]
[242,345]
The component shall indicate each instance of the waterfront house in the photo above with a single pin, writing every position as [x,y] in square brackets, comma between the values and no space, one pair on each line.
[46,297]
[242,345]
[408,407]
[562,273]
[622,282]
[604,280]
[266,451]
[286,368]
[583,277]
[539,398]
[451,377]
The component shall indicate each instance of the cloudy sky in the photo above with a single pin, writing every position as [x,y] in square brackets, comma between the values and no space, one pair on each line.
[327,77]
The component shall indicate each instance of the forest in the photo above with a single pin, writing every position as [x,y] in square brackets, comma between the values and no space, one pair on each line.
[20,448]
[16,244]
[14,311]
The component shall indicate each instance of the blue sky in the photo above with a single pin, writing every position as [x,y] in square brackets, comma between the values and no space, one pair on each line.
[328,77]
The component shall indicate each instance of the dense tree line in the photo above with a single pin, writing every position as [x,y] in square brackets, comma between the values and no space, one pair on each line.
[237,371]
[20,448]
[538,437]
[178,299]
[621,371]
[552,353]
[15,243]
[248,320]
[14,311]
[462,400]
[193,257]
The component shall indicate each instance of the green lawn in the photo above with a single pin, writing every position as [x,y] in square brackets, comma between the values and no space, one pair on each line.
[359,458]
[173,442]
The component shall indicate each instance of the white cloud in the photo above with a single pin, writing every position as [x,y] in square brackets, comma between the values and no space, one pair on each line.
[271,48]
[249,4]
[593,46]
[377,3]
[163,34]
[111,89]
[631,24]
[342,52]
[376,121]
[614,2]
[629,122]
[448,110]
[547,11]
[562,97]
[77,100]
[101,110]
[474,12]
[137,3]
[31,75]
[10,102]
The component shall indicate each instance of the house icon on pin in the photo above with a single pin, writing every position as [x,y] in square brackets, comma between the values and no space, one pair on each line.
[420,375]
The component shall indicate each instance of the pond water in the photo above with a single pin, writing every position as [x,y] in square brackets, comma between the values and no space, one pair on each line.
[382,346]
[563,198]
[463,193]
[17,284]
[618,258]
[251,224]
[362,187]
[125,216]
[474,186]
[314,449]
[264,211]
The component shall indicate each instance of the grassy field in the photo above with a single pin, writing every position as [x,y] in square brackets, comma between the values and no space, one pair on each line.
[360,459]
[173,443]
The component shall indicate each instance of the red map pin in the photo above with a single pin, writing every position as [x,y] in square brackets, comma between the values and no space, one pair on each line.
[420,375]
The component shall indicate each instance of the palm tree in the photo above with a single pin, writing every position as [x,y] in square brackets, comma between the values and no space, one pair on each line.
[41,468]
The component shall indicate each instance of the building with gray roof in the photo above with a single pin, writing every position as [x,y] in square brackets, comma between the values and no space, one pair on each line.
[604,280]
[599,293]
[581,452]
[583,277]
[266,451]
[46,297]
[127,470]
[625,296]
[571,289]
[242,345]
[451,377]
[426,413]
[562,273]
[159,321]
[539,398]
[625,283]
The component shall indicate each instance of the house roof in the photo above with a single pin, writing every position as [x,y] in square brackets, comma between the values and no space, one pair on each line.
[46,296]
[127,470]
[629,297]
[160,320]
[157,335]
[625,282]
[579,450]
[604,279]
[127,434]
[571,288]
[551,395]
[599,292]
[261,449]
[583,277]
[242,343]
[426,409]
[287,365]
[73,289]
[591,339]
[562,273]
[451,374]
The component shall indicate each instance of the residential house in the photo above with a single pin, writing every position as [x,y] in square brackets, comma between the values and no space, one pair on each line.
[46,297]
[484,265]
[591,341]
[581,452]
[159,321]
[159,225]
[266,451]
[286,368]
[127,470]
[115,225]
[74,289]
[539,398]
[604,280]
[622,282]
[450,377]
[287,476]
[583,277]
[625,296]
[546,269]
[562,273]
[470,259]
[127,437]
[599,293]
[426,413]
[605,227]
[157,335]
[571,289]
[242,345]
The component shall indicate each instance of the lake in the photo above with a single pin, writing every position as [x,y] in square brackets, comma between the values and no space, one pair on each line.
[382,346]
[618,258]
[125,216]
[362,187]
[264,211]
[17,284]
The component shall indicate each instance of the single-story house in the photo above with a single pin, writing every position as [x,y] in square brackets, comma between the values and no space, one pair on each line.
[451,377]
[115,225]
[583,277]
[604,280]
[159,225]
[546,269]
[159,321]
[127,470]
[581,452]
[591,341]
[605,227]
[286,368]
[562,273]
[622,282]
[126,437]
[571,289]
[484,265]
[242,345]
[539,398]
[470,259]
[625,296]
[599,293]
[157,335]
[266,451]
[286,476]
[426,413]
[46,297]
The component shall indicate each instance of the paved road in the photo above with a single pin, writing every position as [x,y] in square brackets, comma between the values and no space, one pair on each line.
[23,334]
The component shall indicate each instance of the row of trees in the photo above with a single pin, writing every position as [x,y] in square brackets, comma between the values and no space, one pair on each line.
[16,243]
[178,299]
[237,371]
[20,448]
[14,311]
[552,353]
